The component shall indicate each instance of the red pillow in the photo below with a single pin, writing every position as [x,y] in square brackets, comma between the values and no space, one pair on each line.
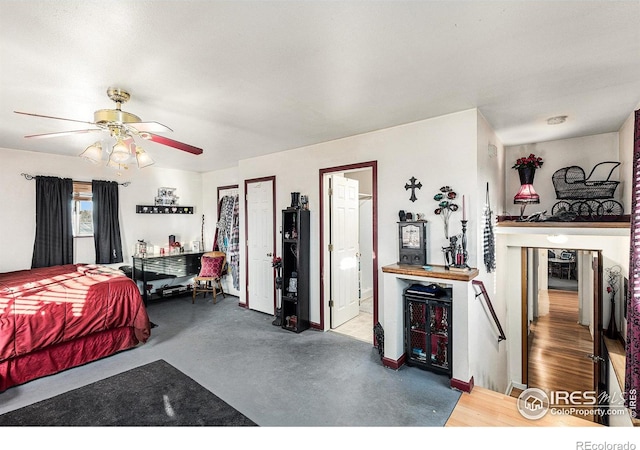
[211,266]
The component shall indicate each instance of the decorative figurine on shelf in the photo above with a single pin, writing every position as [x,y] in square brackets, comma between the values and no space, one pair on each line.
[141,249]
[449,252]
[295,200]
[445,206]
[304,201]
[613,283]
[293,284]
[402,215]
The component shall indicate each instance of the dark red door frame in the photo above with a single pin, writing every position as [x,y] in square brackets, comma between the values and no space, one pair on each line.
[373,165]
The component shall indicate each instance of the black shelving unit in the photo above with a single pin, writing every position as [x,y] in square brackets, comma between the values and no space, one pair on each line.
[295,269]
[428,317]
[160,267]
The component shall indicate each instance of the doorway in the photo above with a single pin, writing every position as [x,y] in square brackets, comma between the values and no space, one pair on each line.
[365,315]
[561,321]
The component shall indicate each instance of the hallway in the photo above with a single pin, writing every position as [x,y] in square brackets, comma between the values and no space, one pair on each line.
[559,345]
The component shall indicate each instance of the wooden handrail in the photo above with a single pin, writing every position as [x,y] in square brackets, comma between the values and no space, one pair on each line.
[483,292]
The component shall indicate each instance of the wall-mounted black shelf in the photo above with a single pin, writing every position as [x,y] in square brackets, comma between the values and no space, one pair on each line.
[156,209]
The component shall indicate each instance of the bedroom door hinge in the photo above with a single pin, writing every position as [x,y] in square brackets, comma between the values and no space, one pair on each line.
[330,192]
[330,303]
[330,247]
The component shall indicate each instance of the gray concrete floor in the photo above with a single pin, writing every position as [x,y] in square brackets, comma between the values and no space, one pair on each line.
[275,377]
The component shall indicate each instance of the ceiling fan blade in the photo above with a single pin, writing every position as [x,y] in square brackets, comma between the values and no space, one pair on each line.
[62,133]
[171,143]
[51,117]
[151,127]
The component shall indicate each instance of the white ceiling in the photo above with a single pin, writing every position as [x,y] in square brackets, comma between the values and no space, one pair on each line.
[245,78]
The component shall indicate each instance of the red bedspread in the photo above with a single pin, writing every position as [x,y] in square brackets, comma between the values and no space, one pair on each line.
[44,308]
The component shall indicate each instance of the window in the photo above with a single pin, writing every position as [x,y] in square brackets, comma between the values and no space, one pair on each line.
[82,209]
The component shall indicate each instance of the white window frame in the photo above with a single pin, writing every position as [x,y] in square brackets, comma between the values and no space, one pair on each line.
[81,193]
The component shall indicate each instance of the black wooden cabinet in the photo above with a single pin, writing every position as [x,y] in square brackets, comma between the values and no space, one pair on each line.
[412,243]
[428,328]
[295,269]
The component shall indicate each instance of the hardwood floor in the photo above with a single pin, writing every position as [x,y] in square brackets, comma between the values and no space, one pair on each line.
[486,408]
[558,346]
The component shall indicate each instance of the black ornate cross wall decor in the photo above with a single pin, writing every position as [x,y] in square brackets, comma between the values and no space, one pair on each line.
[413,186]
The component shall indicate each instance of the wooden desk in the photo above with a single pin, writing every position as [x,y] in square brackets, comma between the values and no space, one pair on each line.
[159,267]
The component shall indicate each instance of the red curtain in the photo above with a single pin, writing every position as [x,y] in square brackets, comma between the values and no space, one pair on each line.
[632,368]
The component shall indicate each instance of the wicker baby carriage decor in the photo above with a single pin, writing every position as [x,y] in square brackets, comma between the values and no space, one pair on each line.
[590,198]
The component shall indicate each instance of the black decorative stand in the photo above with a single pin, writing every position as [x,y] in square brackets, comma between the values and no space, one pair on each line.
[612,331]
[613,279]
[456,255]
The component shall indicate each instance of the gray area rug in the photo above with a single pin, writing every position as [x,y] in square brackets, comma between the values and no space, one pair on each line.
[156,394]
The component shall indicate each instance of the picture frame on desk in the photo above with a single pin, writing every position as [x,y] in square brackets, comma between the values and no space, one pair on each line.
[195,246]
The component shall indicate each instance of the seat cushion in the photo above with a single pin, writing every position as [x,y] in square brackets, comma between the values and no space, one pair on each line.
[211,267]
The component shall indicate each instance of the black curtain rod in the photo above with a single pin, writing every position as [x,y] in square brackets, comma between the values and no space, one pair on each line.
[31,177]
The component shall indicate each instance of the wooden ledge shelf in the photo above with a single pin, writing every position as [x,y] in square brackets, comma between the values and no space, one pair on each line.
[577,224]
[434,272]
[617,356]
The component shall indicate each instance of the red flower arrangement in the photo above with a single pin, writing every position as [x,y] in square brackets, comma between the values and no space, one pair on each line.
[532,161]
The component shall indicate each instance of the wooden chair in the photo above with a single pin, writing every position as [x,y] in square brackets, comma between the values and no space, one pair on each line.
[212,265]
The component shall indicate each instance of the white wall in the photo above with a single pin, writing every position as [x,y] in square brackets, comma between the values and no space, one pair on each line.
[18,204]
[487,356]
[585,152]
[435,151]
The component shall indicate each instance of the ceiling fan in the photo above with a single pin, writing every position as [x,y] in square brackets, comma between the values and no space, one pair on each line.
[121,125]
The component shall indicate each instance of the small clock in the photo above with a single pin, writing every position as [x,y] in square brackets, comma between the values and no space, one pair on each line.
[412,243]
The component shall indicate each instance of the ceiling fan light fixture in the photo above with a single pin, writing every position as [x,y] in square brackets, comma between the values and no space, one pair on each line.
[117,165]
[120,152]
[122,127]
[93,153]
[143,159]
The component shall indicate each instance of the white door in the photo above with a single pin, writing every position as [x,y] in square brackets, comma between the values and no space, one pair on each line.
[260,246]
[344,229]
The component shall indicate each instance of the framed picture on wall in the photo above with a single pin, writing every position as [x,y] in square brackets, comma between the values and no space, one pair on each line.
[166,197]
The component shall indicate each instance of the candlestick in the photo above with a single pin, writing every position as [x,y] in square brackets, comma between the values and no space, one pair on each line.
[464,210]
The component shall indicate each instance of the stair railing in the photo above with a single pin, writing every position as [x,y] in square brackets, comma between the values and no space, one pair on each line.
[483,292]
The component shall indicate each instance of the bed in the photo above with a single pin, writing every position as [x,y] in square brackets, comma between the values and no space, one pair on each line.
[59,317]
